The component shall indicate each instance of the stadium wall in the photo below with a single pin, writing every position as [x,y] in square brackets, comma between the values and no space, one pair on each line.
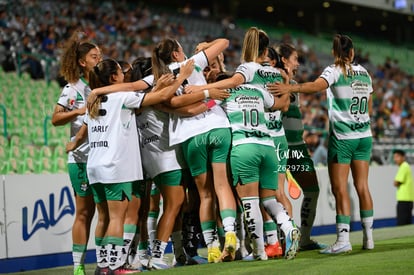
[38,211]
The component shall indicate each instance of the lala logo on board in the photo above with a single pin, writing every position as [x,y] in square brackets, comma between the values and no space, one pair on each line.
[47,214]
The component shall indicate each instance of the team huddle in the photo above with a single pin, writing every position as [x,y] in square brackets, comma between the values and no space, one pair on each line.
[216,146]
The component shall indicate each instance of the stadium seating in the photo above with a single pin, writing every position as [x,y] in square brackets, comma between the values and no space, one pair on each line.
[32,143]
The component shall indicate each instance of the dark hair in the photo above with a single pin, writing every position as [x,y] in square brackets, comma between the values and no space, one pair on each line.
[162,56]
[341,47]
[101,76]
[141,67]
[125,66]
[399,152]
[273,55]
[223,75]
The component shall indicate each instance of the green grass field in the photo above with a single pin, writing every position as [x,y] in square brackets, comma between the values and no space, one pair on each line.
[393,254]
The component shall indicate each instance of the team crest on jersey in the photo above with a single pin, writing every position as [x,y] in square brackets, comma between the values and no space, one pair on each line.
[71,102]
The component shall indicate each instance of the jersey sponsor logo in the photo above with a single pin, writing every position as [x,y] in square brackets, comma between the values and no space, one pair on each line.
[99,129]
[356,73]
[150,139]
[274,125]
[267,74]
[359,87]
[97,144]
[245,99]
[361,125]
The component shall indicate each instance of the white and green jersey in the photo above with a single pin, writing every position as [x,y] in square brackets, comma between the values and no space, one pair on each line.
[114,155]
[292,121]
[183,128]
[73,97]
[258,75]
[157,155]
[245,109]
[348,99]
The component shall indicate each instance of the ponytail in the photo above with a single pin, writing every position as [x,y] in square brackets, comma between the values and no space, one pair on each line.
[255,44]
[341,47]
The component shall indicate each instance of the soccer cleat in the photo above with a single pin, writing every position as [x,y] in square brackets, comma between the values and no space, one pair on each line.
[180,261]
[251,257]
[274,250]
[230,243]
[135,266]
[157,263]
[312,245]
[292,243]
[122,270]
[197,259]
[337,248]
[101,270]
[213,255]
[80,270]
[368,245]
[143,256]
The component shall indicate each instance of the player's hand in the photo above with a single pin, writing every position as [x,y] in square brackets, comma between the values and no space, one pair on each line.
[278,89]
[70,146]
[192,89]
[164,81]
[187,69]
[219,94]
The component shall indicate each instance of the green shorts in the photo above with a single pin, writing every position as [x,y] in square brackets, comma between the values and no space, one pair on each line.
[79,179]
[154,189]
[254,163]
[111,192]
[138,188]
[202,150]
[171,178]
[299,159]
[345,150]
[282,153]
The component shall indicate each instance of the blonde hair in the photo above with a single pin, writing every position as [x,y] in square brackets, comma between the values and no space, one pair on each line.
[255,43]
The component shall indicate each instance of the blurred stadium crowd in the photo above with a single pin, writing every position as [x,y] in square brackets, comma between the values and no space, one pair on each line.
[32,32]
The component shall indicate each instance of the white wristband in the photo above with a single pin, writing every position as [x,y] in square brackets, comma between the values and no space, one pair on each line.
[206,94]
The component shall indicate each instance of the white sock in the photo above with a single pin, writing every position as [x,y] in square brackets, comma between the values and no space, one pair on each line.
[270,231]
[254,222]
[102,256]
[342,231]
[115,256]
[228,224]
[241,234]
[367,224]
[158,249]
[152,227]
[278,214]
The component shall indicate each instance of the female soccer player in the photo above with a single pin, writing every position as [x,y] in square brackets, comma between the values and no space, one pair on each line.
[205,139]
[349,88]
[299,160]
[114,161]
[251,71]
[78,58]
